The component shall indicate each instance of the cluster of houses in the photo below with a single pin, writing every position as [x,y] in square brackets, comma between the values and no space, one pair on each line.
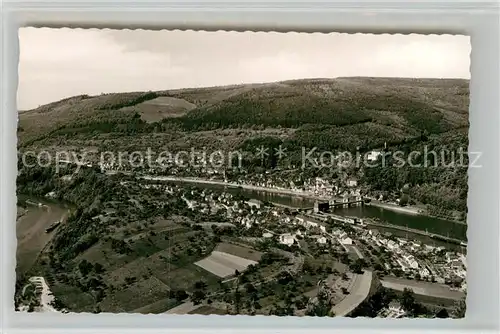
[314,226]
[430,264]
[451,269]
[410,257]
[316,229]
[401,250]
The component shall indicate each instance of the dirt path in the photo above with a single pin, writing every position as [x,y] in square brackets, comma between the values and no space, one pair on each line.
[46,297]
[183,308]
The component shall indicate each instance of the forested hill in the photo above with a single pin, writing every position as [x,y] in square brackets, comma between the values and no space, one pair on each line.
[366,109]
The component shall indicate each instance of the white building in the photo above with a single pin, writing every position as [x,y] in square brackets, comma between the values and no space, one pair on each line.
[402,264]
[321,240]
[424,272]
[306,222]
[391,245]
[395,311]
[412,263]
[373,155]
[352,183]
[346,241]
[287,239]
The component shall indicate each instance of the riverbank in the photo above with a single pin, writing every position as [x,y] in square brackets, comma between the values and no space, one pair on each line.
[280,191]
[412,217]
[31,232]
[394,207]
[410,210]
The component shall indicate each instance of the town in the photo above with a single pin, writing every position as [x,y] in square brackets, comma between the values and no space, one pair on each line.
[234,244]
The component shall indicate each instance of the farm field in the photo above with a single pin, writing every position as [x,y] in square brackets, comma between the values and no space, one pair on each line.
[136,295]
[240,251]
[206,310]
[163,107]
[183,308]
[183,278]
[224,264]
[160,306]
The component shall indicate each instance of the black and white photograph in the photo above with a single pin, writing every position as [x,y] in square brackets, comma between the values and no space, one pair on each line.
[242,173]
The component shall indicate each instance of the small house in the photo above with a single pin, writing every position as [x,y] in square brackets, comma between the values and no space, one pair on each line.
[287,239]
[352,182]
[346,241]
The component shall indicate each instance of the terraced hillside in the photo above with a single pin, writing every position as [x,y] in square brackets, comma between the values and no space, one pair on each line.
[127,240]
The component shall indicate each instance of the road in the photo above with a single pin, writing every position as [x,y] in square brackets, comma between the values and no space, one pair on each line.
[183,308]
[422,288]
[358,292]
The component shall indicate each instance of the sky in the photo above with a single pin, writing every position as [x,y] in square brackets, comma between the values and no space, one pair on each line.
[59,63]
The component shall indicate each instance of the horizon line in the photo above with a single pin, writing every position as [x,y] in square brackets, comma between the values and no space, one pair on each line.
[247,83]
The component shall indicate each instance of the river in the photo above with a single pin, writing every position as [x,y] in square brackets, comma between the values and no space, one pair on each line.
[30,229]
[419,222]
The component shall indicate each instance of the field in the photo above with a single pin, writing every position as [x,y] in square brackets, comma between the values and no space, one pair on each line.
[207,310]
[224,264]
[244,252]
[184,278]
[136,295]
[160,306]
[163,107]
[73,297]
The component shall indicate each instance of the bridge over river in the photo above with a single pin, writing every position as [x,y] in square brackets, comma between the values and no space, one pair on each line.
[338,204]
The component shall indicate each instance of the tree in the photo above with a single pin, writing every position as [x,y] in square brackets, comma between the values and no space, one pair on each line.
[200,285]
[198,296]
[99,268]
[179,295]
[408,300]
[459,309]
[301,302]
[404,200]
[320,309]
[357,266]
[250,288]
[85,267]
[443,313]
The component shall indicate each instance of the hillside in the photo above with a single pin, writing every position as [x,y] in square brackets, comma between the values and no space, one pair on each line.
[130,245]
[351,114]
[383,108]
